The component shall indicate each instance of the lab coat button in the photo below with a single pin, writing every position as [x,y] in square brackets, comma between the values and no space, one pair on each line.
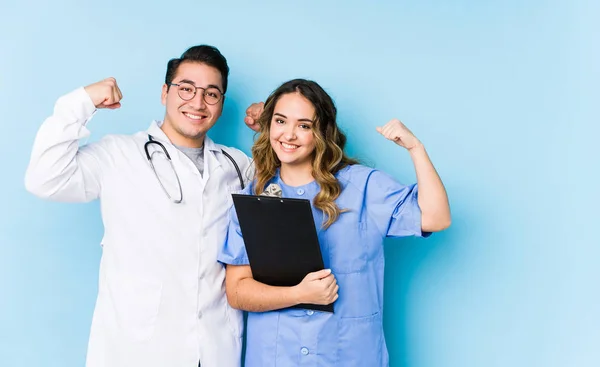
[304,350]
[199,314]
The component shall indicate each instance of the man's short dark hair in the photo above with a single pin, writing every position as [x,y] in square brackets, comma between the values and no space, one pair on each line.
[204,54]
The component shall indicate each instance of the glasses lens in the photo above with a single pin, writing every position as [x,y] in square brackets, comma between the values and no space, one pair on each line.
[186,91]
[212,95]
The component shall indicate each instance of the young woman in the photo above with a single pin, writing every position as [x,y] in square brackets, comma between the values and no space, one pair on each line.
[301,149]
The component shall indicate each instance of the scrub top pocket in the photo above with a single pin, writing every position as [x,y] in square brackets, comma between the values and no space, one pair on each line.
[347,248]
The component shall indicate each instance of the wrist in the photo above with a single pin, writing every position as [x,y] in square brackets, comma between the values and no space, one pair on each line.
[295,295]
[418,147]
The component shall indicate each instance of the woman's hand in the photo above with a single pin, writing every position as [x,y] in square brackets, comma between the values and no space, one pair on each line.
[319,288]
[397,132]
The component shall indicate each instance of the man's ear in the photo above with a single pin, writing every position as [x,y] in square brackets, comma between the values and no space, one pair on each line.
[222,106]
[163,95]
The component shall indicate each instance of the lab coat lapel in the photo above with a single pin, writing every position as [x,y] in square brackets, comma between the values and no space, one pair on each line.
[211,163]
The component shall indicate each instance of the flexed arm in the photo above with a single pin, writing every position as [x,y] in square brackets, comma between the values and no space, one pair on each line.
[433,200]
[59,169]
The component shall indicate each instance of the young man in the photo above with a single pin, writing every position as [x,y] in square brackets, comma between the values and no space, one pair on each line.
[164,197]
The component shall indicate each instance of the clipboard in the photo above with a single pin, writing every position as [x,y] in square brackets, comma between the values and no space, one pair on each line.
[281,240]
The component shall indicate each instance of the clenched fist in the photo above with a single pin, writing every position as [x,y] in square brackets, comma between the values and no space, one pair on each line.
[252,114]
[397,132]
[105,93]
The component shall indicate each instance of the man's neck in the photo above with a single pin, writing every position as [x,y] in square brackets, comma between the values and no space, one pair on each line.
[179,140]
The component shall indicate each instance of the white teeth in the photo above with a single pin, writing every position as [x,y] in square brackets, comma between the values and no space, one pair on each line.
[195,117]
[289,146]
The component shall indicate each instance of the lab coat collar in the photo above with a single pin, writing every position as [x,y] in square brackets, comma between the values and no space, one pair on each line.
[211,162]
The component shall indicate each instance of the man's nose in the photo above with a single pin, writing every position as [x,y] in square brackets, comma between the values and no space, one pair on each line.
[198,101]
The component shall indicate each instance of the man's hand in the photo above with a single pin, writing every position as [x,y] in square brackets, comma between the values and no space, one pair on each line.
[252,114]
[105,94]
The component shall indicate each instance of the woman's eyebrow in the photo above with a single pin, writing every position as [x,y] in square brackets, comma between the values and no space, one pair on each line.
[284,116]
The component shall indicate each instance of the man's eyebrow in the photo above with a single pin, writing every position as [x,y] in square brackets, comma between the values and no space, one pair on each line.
[187,81]
[194,84]
[214,86]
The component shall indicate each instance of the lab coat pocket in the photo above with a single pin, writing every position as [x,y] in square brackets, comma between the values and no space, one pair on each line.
[235,319]
[136,303]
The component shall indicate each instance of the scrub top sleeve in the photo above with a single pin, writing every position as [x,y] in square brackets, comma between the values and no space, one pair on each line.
[233,251]
[393,206]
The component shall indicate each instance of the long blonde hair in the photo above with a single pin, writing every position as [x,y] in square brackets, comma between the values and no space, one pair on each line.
[328,157]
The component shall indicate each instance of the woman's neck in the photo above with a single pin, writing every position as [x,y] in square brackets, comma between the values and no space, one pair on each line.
[296,175]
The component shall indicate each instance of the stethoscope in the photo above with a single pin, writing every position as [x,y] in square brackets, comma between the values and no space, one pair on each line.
[164,151]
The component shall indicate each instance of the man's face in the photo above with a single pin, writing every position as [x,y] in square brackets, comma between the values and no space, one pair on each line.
[186,122]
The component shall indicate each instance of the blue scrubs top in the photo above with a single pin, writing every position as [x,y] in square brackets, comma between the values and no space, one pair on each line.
[352,247]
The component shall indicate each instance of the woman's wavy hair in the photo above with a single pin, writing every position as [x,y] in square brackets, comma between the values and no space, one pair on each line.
[328,156]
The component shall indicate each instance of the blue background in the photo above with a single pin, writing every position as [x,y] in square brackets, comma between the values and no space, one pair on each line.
[504,95]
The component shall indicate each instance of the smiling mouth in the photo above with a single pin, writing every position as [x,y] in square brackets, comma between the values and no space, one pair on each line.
[288,147]
[193,116]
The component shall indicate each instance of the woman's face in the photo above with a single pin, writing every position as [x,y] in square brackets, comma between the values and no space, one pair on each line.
[291,133]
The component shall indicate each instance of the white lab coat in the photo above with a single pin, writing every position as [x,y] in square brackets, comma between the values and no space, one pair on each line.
[161,299]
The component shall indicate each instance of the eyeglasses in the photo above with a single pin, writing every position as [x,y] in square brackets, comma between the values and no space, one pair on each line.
[187,91]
